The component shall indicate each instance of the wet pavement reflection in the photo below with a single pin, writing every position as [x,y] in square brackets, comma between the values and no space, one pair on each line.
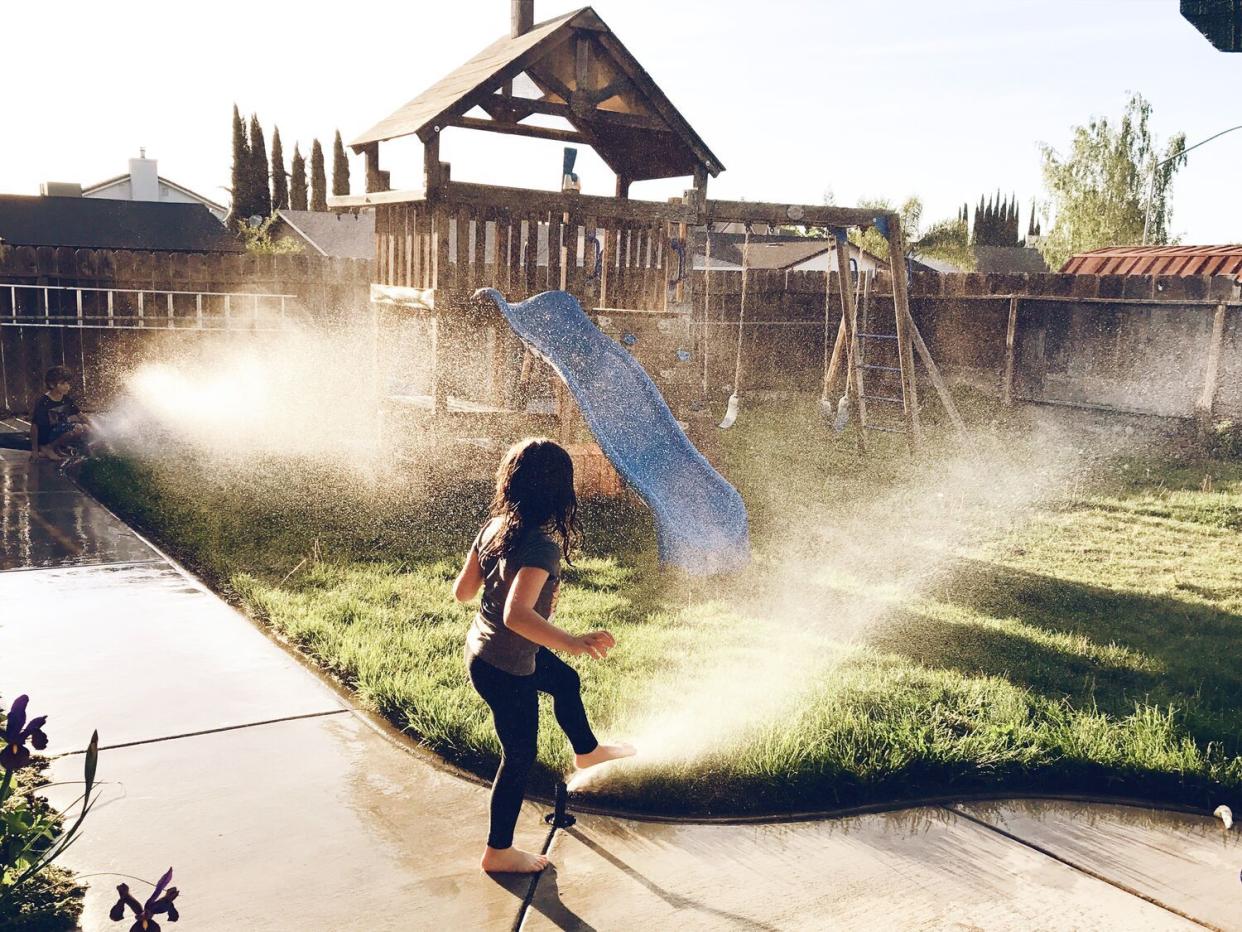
[45,521]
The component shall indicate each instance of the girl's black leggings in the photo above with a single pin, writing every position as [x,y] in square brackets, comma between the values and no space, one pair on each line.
[514,701]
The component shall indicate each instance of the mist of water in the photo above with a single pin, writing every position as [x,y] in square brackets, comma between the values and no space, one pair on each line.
[846,563]
[303,393]
[842,571]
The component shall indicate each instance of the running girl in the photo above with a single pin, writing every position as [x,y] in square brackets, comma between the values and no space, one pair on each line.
[516,559]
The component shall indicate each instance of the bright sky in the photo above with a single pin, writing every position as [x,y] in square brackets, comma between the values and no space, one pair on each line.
[946,100]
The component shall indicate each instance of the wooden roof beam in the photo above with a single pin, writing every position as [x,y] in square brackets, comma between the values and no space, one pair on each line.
[480,94]
[648,88]
[792,214]
[526,107]
[518,129]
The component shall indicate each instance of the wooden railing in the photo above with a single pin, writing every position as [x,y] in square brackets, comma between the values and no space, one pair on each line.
[609,253]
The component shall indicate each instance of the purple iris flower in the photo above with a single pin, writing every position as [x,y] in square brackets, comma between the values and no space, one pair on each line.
[144,913]
[17,731]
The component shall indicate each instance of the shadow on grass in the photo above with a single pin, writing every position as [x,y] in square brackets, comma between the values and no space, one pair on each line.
[1177,653]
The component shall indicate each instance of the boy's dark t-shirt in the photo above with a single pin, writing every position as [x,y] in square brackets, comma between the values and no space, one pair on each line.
[49,415]
[489,639]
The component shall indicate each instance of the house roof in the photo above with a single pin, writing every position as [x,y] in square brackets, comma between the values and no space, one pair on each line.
[774,251]
[98,223]
[1009,260]
[635,129]
[1157,260]
[109,182]
[922,263]
[344,235]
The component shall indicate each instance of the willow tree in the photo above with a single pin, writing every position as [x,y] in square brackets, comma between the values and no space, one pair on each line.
[1101,192]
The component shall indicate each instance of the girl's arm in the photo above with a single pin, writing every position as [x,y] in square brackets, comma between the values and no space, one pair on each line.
[469,579]
[521,618]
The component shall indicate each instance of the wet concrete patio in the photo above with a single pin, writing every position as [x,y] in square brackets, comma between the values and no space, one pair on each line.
[281,807]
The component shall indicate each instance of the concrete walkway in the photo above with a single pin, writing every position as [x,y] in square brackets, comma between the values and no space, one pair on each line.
[282,808]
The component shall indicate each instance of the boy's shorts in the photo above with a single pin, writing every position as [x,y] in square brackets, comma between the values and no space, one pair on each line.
[59,430]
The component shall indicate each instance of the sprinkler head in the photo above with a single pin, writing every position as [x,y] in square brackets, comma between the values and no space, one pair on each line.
[560,818]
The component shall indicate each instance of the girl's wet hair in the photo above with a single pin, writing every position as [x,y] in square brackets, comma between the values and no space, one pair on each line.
[534,488]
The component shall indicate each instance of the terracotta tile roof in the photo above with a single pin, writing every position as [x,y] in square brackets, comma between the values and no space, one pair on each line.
[1158,260]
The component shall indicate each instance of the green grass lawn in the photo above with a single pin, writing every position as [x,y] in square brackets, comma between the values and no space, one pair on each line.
[1027,615]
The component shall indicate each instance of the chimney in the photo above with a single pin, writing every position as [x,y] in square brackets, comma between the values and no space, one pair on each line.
[144,181]
[523,17]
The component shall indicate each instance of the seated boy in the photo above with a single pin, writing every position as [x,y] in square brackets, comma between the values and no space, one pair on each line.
[56,421]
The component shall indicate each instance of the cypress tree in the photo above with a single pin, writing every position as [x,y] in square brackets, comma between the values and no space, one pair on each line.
[240,178]
[280,183]
[340,167]
[319,181]
[297,194]
[258,167]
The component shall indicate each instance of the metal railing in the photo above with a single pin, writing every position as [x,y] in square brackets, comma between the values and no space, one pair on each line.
[26,305]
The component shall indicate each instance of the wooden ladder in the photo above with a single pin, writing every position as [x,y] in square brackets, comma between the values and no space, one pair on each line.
[879,355]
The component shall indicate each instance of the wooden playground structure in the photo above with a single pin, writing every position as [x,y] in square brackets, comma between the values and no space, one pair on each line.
[628,262]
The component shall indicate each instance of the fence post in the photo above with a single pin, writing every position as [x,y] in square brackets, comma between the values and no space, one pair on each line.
[1211,375]
[1010,336]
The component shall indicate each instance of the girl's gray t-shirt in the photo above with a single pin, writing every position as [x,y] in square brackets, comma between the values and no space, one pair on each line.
[489,639]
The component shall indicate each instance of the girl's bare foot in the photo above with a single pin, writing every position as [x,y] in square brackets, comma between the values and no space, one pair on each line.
[512,861]
[602,753]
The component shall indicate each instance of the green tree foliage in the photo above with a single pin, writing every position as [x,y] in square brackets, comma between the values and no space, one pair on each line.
[259,239]
[280,182]
[262,205]
[240,178]
[870,240]
[949,240]
[1099,192]
[340,167]
[996,222]
[297,182]
[319,181]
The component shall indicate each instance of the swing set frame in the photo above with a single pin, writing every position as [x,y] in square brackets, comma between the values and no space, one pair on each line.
[847,350]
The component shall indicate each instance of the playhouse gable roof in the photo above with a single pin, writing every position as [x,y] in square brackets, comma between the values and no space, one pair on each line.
[619,112]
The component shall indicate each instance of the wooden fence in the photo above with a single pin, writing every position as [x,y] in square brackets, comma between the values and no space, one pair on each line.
[102,311]
[1162,346]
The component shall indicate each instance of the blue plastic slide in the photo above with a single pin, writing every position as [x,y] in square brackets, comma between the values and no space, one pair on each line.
[700,519]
